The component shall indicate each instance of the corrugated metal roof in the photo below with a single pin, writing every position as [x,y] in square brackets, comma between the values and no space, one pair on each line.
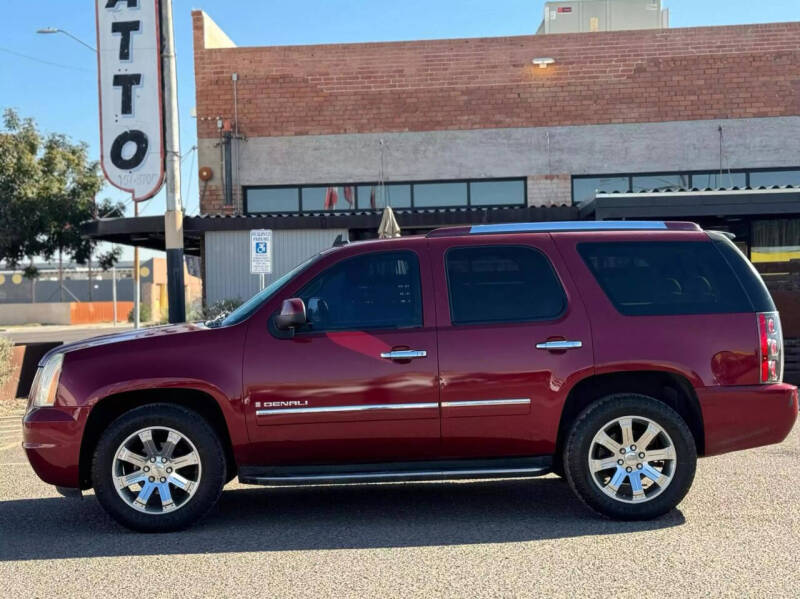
[706,190]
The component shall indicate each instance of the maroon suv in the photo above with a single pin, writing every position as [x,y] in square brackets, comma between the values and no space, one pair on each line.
[612,354]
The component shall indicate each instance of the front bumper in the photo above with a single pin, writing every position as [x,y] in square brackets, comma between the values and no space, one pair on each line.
[742,417]
[52,441]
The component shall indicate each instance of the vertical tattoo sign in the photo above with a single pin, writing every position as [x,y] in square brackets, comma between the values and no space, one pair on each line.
[129,82]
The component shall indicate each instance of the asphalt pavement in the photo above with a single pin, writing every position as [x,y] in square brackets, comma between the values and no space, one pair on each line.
[65,334]
[736,534]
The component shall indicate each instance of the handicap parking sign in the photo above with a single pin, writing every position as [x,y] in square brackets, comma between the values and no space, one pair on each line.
[261,252]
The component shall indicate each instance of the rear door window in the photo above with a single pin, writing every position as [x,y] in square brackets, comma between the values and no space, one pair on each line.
[502,284]
[662,278]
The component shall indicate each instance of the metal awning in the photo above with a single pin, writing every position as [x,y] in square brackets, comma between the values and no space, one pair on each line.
[148,231]
[692,203]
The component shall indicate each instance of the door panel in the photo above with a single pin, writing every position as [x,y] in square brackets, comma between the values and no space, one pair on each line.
[501,395]
[328,396]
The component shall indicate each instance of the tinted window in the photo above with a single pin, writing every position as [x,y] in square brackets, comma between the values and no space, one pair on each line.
[322,199]
[770,178]
[719,180]
[428,195]
[376,197]
[660,183]
[652,278]
[502,284]
[584,189]
[274,199]
[380,290]
[496,193]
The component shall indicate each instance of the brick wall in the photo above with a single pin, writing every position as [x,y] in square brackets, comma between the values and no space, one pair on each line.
[617,77]
[549,190]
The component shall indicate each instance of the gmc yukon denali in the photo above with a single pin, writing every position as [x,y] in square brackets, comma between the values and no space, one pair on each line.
[612,354]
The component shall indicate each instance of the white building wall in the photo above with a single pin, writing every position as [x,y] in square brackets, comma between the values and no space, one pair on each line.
[227,259]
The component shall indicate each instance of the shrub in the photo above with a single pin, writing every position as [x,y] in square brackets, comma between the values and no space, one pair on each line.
[6,354]
[144,313]
[219,310]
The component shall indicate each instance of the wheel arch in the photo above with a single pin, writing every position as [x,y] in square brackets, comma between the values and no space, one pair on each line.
[107,409]
[670,388]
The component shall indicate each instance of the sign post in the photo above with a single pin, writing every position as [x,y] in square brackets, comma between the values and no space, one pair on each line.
[261,253]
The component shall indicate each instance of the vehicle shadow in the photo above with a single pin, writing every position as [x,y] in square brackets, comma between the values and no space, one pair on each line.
[331,517]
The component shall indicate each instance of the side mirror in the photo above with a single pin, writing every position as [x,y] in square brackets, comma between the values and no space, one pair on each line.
[292,315]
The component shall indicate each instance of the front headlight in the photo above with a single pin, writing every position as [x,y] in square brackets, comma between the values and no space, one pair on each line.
[45,384]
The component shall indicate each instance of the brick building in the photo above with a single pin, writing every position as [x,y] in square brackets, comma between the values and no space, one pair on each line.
[312,141]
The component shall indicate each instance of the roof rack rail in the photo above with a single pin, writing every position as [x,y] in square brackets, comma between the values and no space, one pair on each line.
[565,226]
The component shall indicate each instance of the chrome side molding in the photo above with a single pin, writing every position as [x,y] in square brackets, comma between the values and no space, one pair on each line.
[364,408]
[485,402]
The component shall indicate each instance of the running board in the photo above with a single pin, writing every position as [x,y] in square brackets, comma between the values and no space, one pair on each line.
[337,474]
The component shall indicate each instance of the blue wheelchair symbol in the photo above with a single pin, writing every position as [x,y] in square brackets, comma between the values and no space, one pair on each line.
[261,247]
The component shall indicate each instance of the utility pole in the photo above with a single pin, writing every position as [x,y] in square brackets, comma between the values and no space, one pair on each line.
[173,218]
[136,282]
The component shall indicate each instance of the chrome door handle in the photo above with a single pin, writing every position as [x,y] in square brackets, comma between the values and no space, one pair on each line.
[559,345]
[404,354]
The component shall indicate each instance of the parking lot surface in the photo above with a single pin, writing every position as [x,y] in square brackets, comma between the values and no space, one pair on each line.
[736,534]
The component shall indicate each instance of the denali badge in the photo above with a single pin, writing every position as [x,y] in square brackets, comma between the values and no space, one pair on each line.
[281,404]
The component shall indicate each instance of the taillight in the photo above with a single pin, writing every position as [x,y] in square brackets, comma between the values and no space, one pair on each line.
[770,347]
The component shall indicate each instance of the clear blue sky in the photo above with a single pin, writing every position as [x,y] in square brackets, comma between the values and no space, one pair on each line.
[55,81]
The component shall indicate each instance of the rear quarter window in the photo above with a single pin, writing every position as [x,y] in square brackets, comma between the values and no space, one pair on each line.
[665,278]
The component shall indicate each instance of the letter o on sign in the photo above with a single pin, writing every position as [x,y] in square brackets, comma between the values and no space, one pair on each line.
[131,136]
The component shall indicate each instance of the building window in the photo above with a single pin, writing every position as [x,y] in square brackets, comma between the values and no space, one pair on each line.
[771,178]
[329,198]
[373,196]
[775,252]
[496,193]
[273,199]
[585,188]
[439,195]
[377,197]
[660,183]
[724,180]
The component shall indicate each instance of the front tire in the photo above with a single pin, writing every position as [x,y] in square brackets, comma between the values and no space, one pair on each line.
[158,468]
[630,457]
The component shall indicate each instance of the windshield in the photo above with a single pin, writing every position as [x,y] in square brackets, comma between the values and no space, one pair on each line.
[244,311]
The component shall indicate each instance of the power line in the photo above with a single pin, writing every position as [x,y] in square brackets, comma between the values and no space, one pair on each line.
[47,62]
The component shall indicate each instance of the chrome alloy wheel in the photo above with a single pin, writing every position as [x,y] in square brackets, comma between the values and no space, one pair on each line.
[156,470]
[632,459]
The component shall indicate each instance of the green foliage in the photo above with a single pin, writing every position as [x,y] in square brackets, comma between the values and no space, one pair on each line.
[6,348]
[220,309]
[47,190]
[144,313]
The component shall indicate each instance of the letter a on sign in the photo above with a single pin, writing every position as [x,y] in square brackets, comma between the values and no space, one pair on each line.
[129,79]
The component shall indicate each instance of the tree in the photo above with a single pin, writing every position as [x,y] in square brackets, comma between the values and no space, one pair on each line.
[47,191]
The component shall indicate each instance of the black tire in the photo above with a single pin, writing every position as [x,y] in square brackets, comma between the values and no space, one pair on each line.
[579,443]
[189,424]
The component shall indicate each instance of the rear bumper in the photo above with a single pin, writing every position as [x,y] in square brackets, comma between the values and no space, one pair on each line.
[742,417]
[52,442]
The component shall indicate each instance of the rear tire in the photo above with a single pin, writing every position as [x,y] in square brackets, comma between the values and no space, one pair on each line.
[616,477]
[172,459]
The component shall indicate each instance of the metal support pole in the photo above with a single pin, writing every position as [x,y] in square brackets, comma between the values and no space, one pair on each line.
[261,282]
[136,287]
[114,291]
[173,218]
